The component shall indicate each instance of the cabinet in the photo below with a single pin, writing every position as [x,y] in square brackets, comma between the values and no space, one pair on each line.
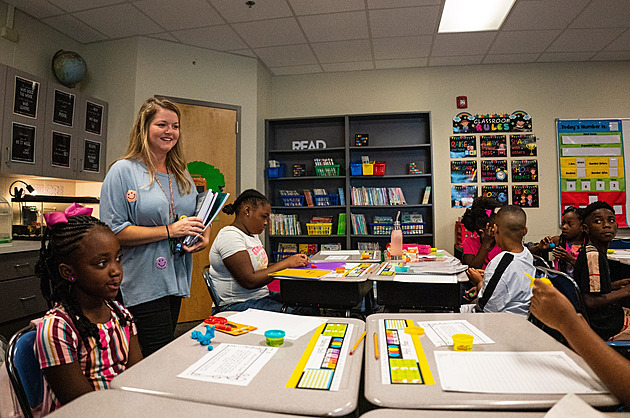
[20,295]
[396,139]
[50,130]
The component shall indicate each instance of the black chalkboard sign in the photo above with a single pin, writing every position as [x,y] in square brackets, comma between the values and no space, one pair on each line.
[23,143]
[93,118]
[63,109]
[61,149]
[25,99]
[92,156]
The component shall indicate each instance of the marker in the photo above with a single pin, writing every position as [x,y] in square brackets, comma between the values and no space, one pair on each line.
[357,343]
[375,346]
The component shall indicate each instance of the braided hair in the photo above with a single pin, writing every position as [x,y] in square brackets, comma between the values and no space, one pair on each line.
[562,241]
[59,245]
[475,218]
[251,196]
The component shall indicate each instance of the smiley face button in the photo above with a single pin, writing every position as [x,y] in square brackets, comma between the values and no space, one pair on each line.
[131,195]
[160,263]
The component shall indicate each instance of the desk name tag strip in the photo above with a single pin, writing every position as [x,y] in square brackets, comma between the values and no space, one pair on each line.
[403,360]
[321,365]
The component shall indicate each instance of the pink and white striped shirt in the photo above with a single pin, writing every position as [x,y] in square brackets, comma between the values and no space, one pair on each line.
[58,342]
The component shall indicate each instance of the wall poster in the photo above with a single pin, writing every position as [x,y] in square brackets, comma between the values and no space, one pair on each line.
[494,171]
[463,171]
[463,146]
[23,143]
[61,149]
[525,195]
[463,196]
[92,156]
[524,171]
[25,99]
[63,108]
[592,166]
[493,146]
[523,145]
[498,192]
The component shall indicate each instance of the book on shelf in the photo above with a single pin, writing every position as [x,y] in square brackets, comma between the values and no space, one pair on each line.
[359,226]
[378,196]
[368,246]
[341,224]
[342,197]
[281,224]
[308,197]
[427,195]
[335,246]
[208,206]
[321,219]
[319,192]
[287,247]
[308,249]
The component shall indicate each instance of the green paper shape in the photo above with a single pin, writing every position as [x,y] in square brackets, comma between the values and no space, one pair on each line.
[213,176]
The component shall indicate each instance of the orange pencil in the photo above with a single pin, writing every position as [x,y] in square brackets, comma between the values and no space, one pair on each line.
[375,347]
[357,343]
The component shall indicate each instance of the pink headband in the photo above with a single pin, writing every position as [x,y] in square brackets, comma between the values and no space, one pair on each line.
[62,217]
[488,212]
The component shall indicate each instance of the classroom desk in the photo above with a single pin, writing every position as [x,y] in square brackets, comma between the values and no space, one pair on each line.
[418,413]
[430,296]
[620,255]
[120,403]
[157,375]
[510,333]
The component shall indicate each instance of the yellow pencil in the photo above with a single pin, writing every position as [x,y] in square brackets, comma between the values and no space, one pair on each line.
[375,346]
[357,343]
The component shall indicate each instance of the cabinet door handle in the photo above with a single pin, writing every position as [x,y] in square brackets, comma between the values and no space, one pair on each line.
[8,155]
[24,299]
[17,266]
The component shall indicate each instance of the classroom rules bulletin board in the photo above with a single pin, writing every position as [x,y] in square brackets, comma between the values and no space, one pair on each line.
[592,166]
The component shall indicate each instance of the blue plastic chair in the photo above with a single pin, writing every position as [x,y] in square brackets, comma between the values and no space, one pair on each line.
[24,372]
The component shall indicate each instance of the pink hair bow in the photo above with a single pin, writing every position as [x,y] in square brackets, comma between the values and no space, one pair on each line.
[62,217]
[488,212]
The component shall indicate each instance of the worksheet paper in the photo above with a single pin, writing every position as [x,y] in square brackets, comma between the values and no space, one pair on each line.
[340,252]
[441,332]
[294,326]
[426,278]
[231,364]
[527,372]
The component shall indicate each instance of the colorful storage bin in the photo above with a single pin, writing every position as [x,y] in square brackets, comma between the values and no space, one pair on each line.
[326,199]
[381,229]
[379,168]
[293,200]
[327,170]
[323,228]
[356,169]
[412,228]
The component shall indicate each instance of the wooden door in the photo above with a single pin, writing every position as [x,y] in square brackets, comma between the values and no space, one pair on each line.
[209,135]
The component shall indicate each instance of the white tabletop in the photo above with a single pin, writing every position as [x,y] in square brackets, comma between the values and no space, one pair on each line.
[510,332]
[419,413]
[621,255]
[157,374]
[120,403]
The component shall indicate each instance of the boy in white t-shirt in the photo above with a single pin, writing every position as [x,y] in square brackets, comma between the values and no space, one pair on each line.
[505,286]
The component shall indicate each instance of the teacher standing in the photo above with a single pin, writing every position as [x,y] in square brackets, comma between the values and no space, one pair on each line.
[148,199]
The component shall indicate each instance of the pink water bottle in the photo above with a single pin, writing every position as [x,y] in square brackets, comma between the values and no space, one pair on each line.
[395,250]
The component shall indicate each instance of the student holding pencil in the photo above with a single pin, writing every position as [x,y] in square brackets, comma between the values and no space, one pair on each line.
[238,262]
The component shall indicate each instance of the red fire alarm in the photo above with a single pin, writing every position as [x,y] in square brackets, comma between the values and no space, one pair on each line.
[462,102]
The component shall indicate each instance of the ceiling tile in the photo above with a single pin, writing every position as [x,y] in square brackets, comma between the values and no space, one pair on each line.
[335,26]
[612,56]
[76,5]
[410,21]
[472,43]
[510,58]
[565,56]
[220,38]
[349,66]
[403,47]
[402,63]
[270,32]
[343,51]
[39,9]
[543,14]
[183,14]
[461,60]
[388,4]
[243,52]
[604,14]
[119,21]
[166,36]
[74,28]
[283,56]
[310,7]
[299,69]
[576,40]
[522,42]
[238,11]
[622,43]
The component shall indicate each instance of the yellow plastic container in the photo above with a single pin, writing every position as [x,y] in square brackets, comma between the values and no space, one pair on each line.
[323,228]
[368,168]
[462,342]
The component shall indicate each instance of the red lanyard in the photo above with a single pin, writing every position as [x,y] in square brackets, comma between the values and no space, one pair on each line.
[171,207]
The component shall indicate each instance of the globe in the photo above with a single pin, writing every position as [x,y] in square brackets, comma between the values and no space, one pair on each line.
[69,67]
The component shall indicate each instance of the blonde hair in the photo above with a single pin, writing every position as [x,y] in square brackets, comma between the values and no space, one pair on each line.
[138,147]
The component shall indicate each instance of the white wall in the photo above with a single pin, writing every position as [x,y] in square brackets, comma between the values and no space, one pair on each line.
[170,69]
[263,112]
[545,91]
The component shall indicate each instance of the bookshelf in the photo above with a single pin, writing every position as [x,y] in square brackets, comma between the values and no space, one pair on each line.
[397,139]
